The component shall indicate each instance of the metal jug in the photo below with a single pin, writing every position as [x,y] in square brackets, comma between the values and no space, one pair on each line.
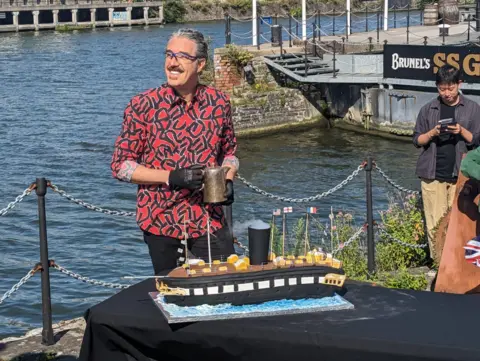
[214,184]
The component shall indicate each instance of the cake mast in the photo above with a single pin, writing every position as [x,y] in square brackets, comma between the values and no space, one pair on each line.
[185,241]
[208,241]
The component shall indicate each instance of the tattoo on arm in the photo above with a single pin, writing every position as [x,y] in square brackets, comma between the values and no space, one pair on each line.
[126,170]
[231,161]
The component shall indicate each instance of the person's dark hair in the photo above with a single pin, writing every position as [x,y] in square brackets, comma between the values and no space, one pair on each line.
[448,74]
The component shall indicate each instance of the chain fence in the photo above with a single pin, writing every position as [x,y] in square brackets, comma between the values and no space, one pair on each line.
[38,267]
[392,183]
[250,185]
[89,280]
[89,206]
[19,284]
[306,199]
[380,230]
[354,237]
[388,236]
[17,200]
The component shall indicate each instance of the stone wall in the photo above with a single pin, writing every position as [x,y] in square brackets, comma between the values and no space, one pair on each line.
[264,104]
[205,10]
[227,76]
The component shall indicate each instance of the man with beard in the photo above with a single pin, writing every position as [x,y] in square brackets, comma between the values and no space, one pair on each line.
[169,135]
[446,128]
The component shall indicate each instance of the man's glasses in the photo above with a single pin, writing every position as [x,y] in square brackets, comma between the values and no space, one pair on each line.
[180,56]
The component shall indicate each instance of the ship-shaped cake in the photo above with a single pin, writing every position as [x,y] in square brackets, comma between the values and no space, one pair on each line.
[236,281]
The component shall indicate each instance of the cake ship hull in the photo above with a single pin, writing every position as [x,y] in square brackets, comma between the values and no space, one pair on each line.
[254,287]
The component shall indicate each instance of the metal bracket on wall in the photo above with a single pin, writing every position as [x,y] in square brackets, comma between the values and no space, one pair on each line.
[366,108]
[400,96]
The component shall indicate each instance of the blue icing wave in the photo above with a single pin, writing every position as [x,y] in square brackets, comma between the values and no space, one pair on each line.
[266,307]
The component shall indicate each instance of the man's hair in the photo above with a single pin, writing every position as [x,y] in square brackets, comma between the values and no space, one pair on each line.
[197,37]
[448,74]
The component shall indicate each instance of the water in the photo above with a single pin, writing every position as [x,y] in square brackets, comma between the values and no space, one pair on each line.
[223,311]
[61,106]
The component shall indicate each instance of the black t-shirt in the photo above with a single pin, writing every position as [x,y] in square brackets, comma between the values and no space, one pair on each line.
[446,148]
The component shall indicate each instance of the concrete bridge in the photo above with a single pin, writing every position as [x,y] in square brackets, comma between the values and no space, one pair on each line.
[21,15]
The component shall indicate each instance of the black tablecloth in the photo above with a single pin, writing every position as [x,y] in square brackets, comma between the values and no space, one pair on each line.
[386,324]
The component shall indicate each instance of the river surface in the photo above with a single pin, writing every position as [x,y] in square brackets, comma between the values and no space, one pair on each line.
[61,104]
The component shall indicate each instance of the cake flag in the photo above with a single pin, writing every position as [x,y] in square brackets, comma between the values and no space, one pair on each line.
[287,209]
[277,212]
[312,210]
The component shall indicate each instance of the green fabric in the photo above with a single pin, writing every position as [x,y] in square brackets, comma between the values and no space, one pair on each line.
[470,166]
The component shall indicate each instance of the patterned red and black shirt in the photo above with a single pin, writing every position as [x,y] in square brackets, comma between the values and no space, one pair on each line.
[160,131]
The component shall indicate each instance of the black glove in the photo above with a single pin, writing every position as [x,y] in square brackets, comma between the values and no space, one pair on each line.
[229,194]
[190,177]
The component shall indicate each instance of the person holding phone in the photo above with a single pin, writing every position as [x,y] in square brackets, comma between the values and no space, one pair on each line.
[446,128]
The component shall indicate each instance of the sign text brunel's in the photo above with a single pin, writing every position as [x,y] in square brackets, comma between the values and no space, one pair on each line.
[422,62]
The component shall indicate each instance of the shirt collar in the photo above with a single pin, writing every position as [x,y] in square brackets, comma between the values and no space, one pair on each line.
[436,103]
[199,95]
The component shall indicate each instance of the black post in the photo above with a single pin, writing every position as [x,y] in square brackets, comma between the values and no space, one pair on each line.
[314,26]
[370,46]
[47,331]
[468,32]
[477,16]
[366,18]
[347,28]
[425,40]
[378,27]
[408,22]
[228,36]
[334,58]
[443,32]
[319,27]
[343,45]
[333,20]
[280,40]
[395,16]
[370,240]
[290,30]
[258,31]
[306,60]
[296,28]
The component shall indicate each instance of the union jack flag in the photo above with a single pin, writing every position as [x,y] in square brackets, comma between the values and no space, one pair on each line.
[287,209]
[277,212]
[312,210]
[472,251]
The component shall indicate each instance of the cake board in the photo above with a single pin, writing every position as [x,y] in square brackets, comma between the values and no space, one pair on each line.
[178,314]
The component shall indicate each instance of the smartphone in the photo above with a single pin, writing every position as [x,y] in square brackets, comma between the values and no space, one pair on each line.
[444,123]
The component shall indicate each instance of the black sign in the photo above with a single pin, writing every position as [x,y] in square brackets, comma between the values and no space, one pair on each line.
[422,62]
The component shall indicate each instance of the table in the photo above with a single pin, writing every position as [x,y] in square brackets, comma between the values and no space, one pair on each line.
[386,324]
